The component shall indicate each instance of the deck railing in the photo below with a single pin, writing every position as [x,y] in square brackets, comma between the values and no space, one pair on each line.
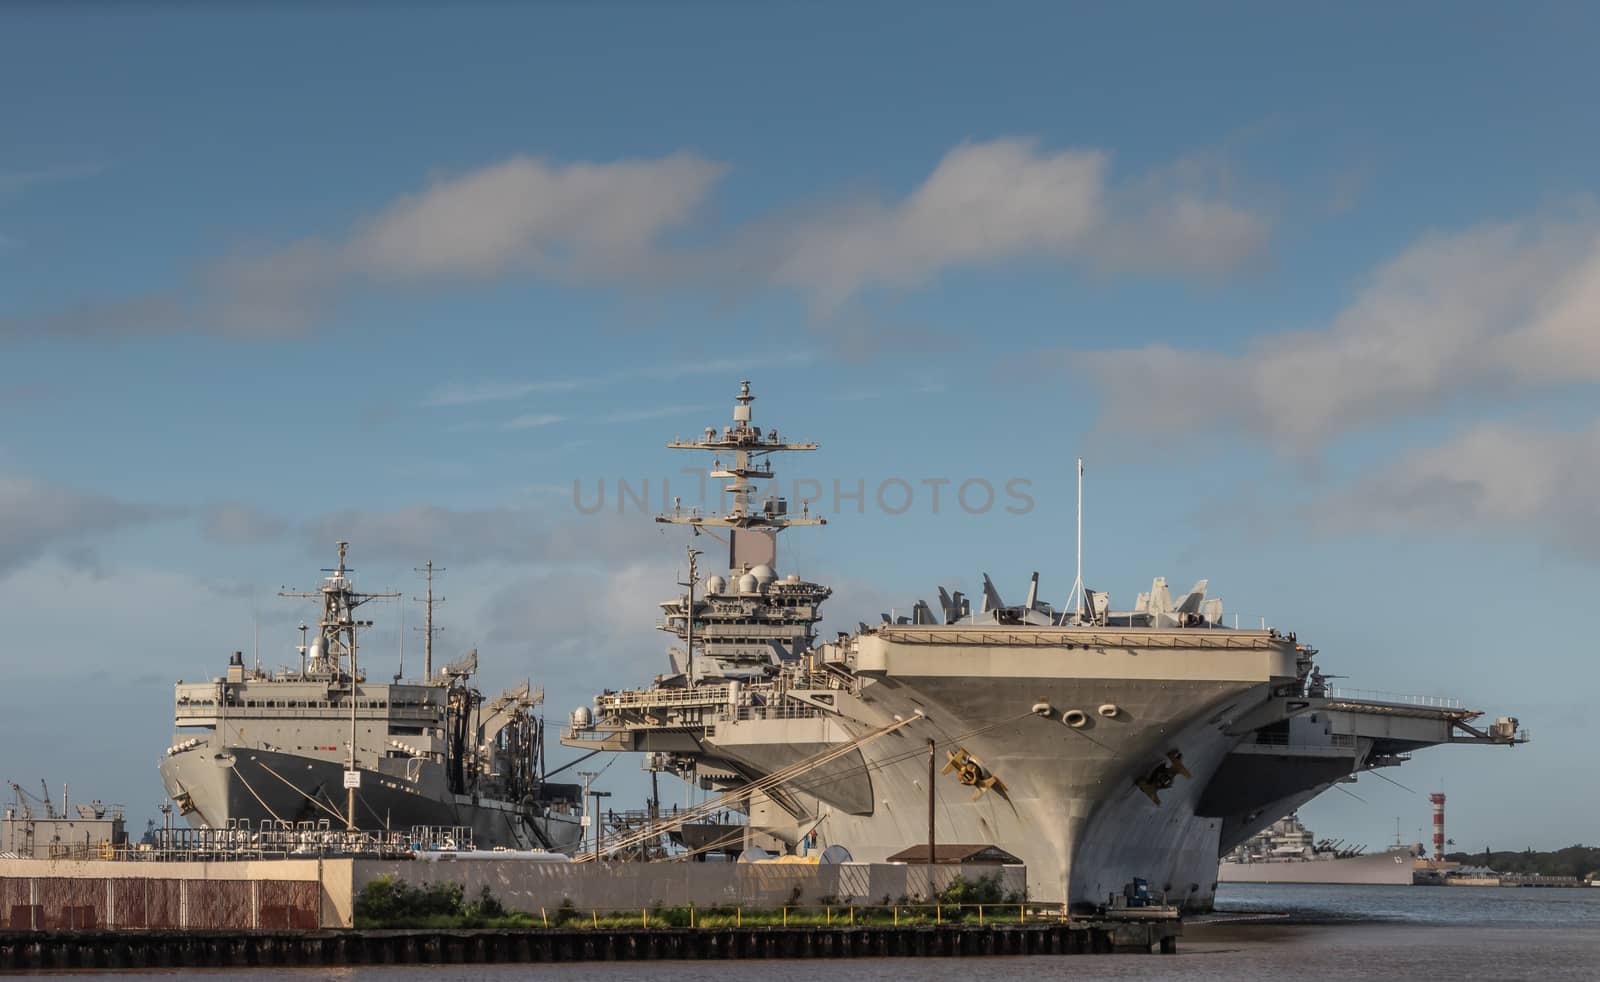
[1395,698]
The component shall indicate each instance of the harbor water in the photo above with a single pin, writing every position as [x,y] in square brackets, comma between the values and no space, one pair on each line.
[1261,932]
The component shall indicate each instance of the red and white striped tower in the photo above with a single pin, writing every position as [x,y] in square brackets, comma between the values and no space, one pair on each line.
[1438,825]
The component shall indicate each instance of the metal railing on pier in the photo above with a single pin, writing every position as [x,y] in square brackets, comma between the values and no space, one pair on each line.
[800,915]
[286,840]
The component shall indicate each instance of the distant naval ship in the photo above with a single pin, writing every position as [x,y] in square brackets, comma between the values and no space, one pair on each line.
[1287,852]
[1097,745]
[323,745]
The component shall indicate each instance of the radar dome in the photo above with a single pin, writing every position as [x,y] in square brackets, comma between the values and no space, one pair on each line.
[715,584]
[764,574]
[749,584]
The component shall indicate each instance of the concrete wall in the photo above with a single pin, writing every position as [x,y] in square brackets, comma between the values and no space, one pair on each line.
[530,886]
[57,895]
[65,895]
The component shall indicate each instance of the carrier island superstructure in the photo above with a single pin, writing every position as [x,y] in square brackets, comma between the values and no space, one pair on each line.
[1096,745]
[321,745]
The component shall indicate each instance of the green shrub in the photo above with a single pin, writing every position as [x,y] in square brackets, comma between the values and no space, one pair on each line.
[487,906]
[388,903]
[566,913]
[663,916]
[984,890]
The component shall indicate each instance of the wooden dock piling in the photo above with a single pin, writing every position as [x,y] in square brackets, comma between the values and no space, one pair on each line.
[32,951]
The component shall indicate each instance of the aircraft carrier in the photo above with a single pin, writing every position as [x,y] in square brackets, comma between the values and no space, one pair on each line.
[1097,745]
[321,746]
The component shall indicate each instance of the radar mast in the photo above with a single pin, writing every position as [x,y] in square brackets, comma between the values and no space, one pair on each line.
[750,622]
[335,645]
[746,445]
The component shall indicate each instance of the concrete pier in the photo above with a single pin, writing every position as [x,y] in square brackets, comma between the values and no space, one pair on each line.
[24,951]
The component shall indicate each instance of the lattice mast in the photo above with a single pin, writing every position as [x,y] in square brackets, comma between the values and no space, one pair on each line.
[428,601]
[336,642]
[747,445]
[334,649]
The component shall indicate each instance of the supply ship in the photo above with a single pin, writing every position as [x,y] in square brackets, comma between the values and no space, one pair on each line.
[321,745]
[1097,745]
[1287,852]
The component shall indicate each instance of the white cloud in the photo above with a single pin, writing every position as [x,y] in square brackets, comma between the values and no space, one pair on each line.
[989,202]
[526,213]
[1495,479]
[149,315]
[603,618]
[469,393]
[1495,309]
[413,533]
[17,182]
[654,412]
[133,631]
[23,393]
[982,202]
[613,224]
[531,421]
[36,518]
[241,525]
[576,222]
[419,532]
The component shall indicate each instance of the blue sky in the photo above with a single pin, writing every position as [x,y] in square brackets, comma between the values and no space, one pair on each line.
[1315,294]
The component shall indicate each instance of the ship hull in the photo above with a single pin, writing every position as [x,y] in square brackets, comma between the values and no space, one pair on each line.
[1071,808]
[1393,868]
[219,787]
[1097,757]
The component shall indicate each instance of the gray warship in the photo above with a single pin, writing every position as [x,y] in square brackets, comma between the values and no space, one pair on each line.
[1287,852]
[1097,745]
[321,745]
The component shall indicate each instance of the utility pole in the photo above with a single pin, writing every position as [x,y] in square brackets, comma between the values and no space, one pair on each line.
[596,796]
[588,819]
[655,807]
[931,775]
[352,777]
[427,624]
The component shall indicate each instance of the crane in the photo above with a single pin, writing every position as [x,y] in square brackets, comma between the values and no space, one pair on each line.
[23,797]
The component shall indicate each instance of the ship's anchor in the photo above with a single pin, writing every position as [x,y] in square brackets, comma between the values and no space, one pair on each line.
[1162,776]
[971,772]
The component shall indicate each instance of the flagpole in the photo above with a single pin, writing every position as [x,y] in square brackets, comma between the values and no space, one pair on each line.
[1075,598]
[1077,586]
